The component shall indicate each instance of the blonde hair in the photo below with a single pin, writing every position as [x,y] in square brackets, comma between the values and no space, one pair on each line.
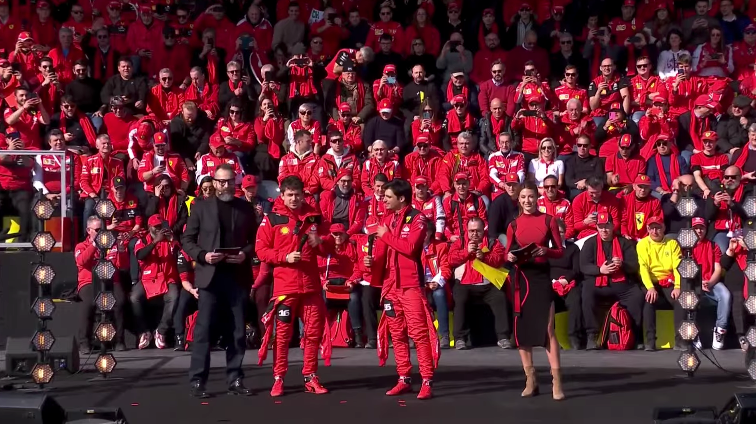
[545,140]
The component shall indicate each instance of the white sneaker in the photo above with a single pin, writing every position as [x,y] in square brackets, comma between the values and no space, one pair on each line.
[144,340]
[159,340]
[719,335]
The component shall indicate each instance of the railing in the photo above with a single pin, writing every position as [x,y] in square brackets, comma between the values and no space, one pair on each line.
[66,204]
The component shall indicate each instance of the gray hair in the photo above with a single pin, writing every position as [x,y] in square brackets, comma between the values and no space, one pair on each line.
[92,219]
[233,62]
[103,137]
[467,135]
[166,71]
[377,143]
[576,102]
[367,54]
[65,30]
[752,127]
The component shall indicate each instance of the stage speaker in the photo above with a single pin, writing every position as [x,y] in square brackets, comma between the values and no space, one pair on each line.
[97,416]
[20,358]
[685,415]
[31,408]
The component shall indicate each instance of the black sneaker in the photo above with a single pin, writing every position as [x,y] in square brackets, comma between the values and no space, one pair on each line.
[575,343]
[371,344]
[504,343]
[444,341]
[460,345]
[180,345]
[590,343]
[358,337]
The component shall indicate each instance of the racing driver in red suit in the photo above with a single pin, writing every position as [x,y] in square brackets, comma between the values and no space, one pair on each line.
[396,262]
[288,240]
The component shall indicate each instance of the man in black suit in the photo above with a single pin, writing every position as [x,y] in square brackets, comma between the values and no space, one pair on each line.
[224,222]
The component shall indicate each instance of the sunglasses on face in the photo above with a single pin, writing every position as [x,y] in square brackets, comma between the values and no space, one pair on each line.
[102,37]
[459,106]
[496,71]
[547,148]
[533,104]
[233,71]
[422,145]
[661,143]
[750,32]
[525,9]
[317,42]
[234,112]
[566,42]
[642,65]
[729,177]
[337,140]
[67,106]
[166,79]
[549,187]
[454,12]
[583,145]
[385,13]
[77,12]
[182,16]
[417,44]
[305,112]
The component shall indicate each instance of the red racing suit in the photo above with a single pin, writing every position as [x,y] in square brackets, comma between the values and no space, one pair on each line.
[296,286]
[397,262]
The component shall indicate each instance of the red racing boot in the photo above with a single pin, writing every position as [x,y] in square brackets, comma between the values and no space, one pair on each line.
[312,385]
[278,388]
[425,391]
[403,386]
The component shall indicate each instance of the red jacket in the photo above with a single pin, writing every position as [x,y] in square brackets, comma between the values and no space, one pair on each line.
[393,92]
[376,211]
[86,256]
[458,212]
[141,37]
[532,130]
[331,36]
[92,174]
[207,99]
[356,215]
[504,92]
[244,132]
[582,206]
[570,130]
[434,132]
[565,93]
[743,56]
[627,169]
[175,167]
[428,167]
[360,272]
[608,96]
[430,36]
[165,104]
[371,168]
[173,58]
[635,214]
[641,88]
[339,264]
[304,167]
[118,130]
[392,28]
[28,63]
[560,208]
[435,260]
[482,64]
[328,169]
[280,233]
[649,126]
[459,256]
[47,171]
[207,164]
[352,134]
[271,132]
[64,64]
[14,176]
[397,254]
[474,165]
[9,33]
[433,209]
[128,212]
[160,267]
[262,32]
[500,164]
[687,92]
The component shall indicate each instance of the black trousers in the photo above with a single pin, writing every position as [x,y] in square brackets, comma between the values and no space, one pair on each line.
[370,298]
[139,299]
[185,306]
[493,297]
[88,308]
[629,296]
[572,303]
[224,294]
[18,202]
[663,300]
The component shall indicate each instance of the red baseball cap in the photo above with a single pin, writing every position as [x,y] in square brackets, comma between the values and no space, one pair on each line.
[603,218]
[525,6]
[389,69]
[557,9]
[343,172]
[698,221]
[512,178]
[345,107]
[419,180]
[615,106]
[422,138]
[750,27]
[42,4]
[337,228]
[159,138]
[461,176]
[626,140]
[704,100]
[384,106]
[458,99]
[642,179]
[114,5]
[629,3]
[655,220]
[709,135]
[249,181]
[155,221]
[145,8]
[452,5]
[4,63]
[660,99]
[216,141]
[145,131]
[25,36]
[488,11]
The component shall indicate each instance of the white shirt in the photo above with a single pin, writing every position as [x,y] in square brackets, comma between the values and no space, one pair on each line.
[541,170]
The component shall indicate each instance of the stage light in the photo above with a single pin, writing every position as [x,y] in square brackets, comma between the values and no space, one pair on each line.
[105,332]
[749,206]
[104,269]
[43,208]
[688,362]
[750,304]
[44,274]
[749,238]
[43,307]
[688,300]
[751,336]
[105,239]
[687,207]
[687,238]
[43,242]
[104,208]
[688,330]
[42,373]
[43,340]
[688,268]
[750,271]
[105,363]
[752,369]
[105,301]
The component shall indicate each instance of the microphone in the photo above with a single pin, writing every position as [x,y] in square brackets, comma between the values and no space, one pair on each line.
[371,242]
[302,241]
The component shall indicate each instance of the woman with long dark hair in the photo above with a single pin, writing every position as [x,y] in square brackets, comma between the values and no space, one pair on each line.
[713,58]
[533,294]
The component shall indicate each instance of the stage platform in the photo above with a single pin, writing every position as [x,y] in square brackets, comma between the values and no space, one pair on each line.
[479,385]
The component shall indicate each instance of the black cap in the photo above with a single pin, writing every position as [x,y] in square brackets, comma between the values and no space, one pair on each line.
[742,101]
[119,182]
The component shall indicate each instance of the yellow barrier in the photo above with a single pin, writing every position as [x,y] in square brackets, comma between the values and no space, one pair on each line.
[12,224]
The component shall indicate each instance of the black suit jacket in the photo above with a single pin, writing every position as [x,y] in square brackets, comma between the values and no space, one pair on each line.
[202,235]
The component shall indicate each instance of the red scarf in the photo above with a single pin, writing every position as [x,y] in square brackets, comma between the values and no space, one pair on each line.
[100,60]
[498,126]
[619,276]
[169,211]
[272,93]
[341,97]
[707,49]
[450,92]
[86,126]
[596,60]
[741,257]
[674,170]
[482,32]
[697,128]
[742,157]
[231,85]
[732,220]
[703,253]
[212,69]
[454,126]
[300,84]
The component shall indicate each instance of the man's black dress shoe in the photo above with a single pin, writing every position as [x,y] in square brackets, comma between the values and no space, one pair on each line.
[237,388]
[197,389]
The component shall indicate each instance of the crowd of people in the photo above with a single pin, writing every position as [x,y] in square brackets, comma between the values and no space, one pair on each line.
[609,113]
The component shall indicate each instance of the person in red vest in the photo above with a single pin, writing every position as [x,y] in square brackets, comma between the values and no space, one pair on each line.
[25,55]
[645,87]
[158,261]
[685,88]
[638,208]
[708,166]
[466,160]
[569,90]
[86,255]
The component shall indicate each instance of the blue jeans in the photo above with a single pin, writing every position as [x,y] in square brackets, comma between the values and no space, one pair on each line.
[89,205]
[354,307]
[96,121]
[438,299]
[721,240]
[599,121]
[637,116]
[720,294]
[687,154]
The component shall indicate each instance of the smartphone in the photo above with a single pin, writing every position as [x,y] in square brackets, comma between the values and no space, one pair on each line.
[529,113]
[330,17]
[300,62]
[613,116]
[530,72]
[601,32]
[161,162]
[211,41]
[14,134]
[737,233]
[31,95]
[246,41]
[453,45]
[426,114]
[268,76]
[391,80]
[635,39]
[716,56]
[594,214]
[228,250]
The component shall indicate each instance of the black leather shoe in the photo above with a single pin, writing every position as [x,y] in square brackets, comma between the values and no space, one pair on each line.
[197,389]
[237,388]
[180,344]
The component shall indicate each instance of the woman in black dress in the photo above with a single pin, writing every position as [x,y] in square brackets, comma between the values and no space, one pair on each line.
[533,293]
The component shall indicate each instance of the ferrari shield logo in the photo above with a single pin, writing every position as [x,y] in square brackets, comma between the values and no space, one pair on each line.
[640,218]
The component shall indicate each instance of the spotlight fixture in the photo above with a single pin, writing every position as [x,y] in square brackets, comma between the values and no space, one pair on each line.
[688,300]
[687,238]
[44,274]
[42,374]
[43,242]
[104,208]
[105,363]
[104,269]
[688,330]
[43,341]
[751,336]
[688,268]
[749,206]
[688,362]
[687,207]
[105,239]
[105,301]
[43,307]
[105,332]
[43,208]
[750,304]
[749,238]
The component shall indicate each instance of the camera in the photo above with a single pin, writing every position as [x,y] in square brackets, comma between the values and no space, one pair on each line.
[530,72]
[454,44]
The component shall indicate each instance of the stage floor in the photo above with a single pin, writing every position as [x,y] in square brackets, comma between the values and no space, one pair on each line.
[483,385]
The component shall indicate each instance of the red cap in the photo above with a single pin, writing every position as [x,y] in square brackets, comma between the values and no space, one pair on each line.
[655,219]
[642,179]
[704,100]
[615,106]
[389,69]
[155,221]
[661,5]
[709,135]
[42,4]
[337,228]
[629,3]
[488,11]
[698,221]
[419,180]
[660,99]
[626,140]
[512,178]
[114,5]
[458,99]
[145,8]
[159,138]
[557,9]
[422,138]
[145,131]
[603,218]
[343,172]
[452,5]
[216,141]
[25,36]
[384,106]
[249,181]
[345,107]
[4,62]
[461,176]
[750,27]
[525,6]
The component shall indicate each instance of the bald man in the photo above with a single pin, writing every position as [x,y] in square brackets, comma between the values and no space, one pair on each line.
[380,162]
[724,208]
[683,186]
[493,124]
